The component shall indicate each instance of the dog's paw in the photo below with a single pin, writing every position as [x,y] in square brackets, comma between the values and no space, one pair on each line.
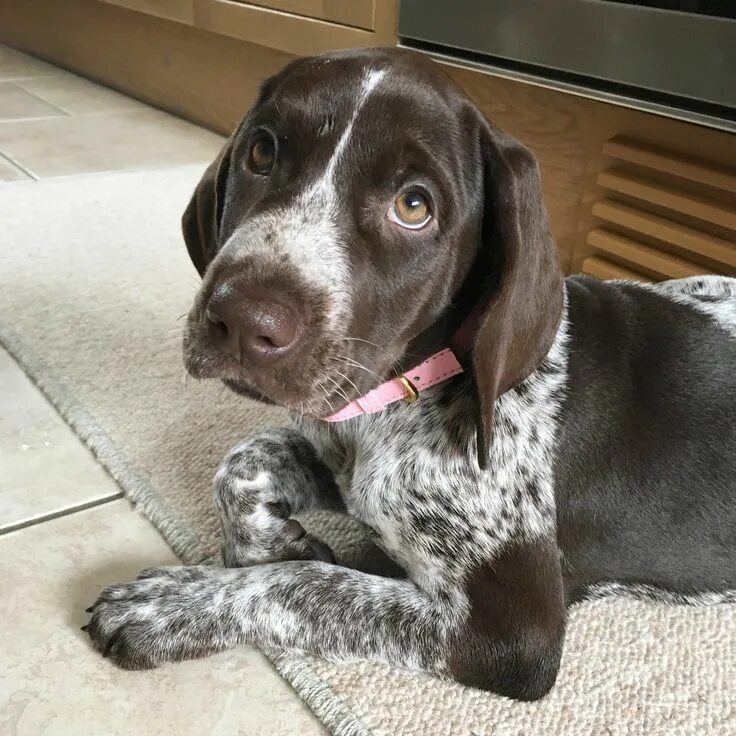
[165,615]
[274,539]
[259,486]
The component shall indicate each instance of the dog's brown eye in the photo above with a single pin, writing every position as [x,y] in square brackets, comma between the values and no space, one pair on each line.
[411,210]
[262,154]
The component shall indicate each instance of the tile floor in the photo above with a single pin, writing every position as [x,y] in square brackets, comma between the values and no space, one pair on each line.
[65,530]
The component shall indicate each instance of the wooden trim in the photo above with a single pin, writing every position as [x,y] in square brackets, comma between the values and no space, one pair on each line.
[666,162]
[386,22]
[603,269]
[636,186]
[278,30]
[357,13]
[700,243]
[181,11]
[644,256]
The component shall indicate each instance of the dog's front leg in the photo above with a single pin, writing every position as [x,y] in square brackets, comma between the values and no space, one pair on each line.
[261,483]
[499,628]
[175,613]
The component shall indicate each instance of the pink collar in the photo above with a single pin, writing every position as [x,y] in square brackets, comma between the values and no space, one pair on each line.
[436,369]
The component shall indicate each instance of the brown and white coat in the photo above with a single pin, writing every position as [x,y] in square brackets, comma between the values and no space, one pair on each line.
[590,444]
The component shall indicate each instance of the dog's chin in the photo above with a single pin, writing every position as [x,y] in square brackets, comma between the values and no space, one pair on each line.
[243,389]
[307,408]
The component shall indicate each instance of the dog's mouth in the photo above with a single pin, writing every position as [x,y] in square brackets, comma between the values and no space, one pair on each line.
[316,384]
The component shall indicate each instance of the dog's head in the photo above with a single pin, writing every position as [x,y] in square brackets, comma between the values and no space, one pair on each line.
[363,215]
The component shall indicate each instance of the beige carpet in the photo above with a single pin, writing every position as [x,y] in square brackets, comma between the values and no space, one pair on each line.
[93,275]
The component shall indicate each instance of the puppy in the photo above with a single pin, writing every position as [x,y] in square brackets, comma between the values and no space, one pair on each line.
[376,257]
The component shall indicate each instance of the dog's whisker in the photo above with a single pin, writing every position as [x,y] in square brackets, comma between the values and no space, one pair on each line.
[367,342]
[339,388]
[327,397]
[342,375]
[357,364]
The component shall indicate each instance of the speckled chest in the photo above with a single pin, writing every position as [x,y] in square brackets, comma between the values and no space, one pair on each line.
[410,473]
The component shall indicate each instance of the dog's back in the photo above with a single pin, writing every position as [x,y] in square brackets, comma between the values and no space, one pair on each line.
[646,469]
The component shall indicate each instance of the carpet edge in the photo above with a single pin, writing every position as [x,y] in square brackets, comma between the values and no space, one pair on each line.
[135,488]
[329,709]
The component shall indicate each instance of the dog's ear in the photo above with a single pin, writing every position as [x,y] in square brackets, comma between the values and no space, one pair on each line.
[514,325]
[202,218]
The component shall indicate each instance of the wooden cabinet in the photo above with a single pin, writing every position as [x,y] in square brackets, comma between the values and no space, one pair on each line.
[310,27]
[178,10]
[300,27]
[357,13]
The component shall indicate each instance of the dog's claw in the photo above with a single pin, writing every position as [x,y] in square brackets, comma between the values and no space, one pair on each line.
[89,610]
[111,643]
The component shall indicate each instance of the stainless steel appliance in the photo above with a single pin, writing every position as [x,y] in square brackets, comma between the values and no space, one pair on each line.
[676,54]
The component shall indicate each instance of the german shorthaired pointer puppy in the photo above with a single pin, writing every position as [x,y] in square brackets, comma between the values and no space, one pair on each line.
[365,236]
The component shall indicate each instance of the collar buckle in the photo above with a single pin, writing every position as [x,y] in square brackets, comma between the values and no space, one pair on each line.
[409,388]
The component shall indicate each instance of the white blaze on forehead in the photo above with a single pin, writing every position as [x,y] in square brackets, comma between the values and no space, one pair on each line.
[306,230]
[326,184]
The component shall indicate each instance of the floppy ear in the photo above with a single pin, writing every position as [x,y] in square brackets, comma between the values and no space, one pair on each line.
[515,324]
[202,218]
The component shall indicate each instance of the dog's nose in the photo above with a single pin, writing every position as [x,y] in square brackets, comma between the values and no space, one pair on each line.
[249,326]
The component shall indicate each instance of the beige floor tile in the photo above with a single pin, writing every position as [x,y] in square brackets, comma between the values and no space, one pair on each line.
[51,682]
[19,104]
[79,96]
[146,138]
[10,172]
[17,65]
[45,468]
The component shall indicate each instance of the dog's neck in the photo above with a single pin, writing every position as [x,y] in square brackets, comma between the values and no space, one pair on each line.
[428,361]
[437,368]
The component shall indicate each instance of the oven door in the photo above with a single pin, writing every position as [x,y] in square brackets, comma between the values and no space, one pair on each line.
[688,55]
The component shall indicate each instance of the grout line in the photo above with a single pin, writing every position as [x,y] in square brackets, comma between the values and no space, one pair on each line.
[58,514]
[63,112]
[53,72]
[106,172]
[34,119]
[137,105]
[16,165]
[20,85]
[27,77]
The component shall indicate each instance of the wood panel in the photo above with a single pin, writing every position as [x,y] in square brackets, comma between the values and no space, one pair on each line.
[555,132]
[678,163]
[682,165]
[669,197]
[178,10]
[603,269]
[643,257]
[293,34]
[702,245]
[641,224]
[358,13]
[574,139]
